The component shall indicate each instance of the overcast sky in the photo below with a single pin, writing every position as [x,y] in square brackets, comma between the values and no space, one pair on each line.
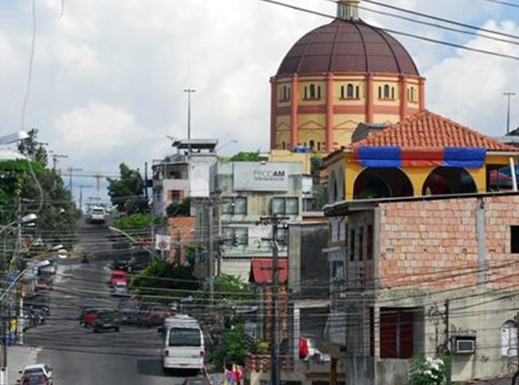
[108,75]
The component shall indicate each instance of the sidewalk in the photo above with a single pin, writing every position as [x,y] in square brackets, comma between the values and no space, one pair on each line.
[17,358]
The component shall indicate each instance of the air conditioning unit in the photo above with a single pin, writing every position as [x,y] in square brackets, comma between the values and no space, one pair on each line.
[464,345]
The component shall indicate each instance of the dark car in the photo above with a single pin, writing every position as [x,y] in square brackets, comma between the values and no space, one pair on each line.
[129,310]
[40,300]
[120,264]
[199,380]
[106,320]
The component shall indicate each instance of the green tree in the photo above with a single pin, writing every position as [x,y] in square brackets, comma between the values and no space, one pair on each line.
[163,282]
[233,348]
[245,156]
[137,221]
[179,209]
[231,288]
[33,149]
[127,191]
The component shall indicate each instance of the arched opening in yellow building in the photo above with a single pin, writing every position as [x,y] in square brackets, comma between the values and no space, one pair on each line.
[448,180]
[373,183]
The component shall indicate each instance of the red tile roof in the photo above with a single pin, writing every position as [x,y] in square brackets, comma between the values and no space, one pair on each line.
[261,270]
[427,130]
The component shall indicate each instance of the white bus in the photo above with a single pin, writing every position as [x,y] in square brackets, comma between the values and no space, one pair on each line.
[183,343]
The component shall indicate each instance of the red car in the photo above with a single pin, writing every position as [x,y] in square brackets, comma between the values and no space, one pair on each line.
[118,276]
[155,315]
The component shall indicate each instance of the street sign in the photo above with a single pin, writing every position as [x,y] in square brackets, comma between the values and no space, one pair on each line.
[163,242]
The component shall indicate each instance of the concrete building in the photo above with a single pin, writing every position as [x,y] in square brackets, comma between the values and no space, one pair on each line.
[183,174]
[426,275]
[241,194]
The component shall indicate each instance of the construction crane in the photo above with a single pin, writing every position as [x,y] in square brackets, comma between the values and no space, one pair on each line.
[81,187]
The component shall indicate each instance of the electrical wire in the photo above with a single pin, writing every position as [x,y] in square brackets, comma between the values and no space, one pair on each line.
[501,2]
[410,35]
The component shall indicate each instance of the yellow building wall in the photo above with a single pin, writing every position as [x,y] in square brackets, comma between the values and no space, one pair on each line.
[287,156]
[416,175]
[345,121]
[315,135]
[306,83]
[383,118]
[306,121]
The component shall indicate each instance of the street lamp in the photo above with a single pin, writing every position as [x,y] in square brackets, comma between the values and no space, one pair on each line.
[12,138]
[20,221]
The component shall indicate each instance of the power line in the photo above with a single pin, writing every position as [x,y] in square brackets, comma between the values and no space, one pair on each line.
[406,34]
[437,18]
[503,3]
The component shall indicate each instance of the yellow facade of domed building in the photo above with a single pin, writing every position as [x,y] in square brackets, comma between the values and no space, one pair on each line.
[338,76]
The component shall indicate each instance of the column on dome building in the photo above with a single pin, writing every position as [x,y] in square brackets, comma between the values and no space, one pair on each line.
[329,113]
[421,91]
[403,97]
[370,100]
[294,135]
[273,114]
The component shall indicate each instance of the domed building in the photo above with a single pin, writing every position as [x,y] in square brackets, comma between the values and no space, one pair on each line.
[337,76]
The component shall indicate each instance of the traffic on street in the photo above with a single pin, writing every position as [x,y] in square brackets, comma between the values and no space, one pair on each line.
[87,333]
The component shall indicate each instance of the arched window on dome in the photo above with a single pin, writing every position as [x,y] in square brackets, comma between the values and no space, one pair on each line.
[387,91]
[380,92]
[357,92]
[318,92]
[312,91]
[312,144]
[393,93]
[349,91]
[319,146]
[412,95]
[283,145]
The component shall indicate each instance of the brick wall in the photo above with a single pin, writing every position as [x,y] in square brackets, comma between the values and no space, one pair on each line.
[181,230]
[434,244]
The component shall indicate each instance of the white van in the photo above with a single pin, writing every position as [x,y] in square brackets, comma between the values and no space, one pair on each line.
[183,343]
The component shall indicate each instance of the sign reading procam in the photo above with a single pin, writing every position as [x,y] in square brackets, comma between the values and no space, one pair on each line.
[252,176]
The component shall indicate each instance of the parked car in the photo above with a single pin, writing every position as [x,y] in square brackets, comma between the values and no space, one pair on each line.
[34,379]
[106,320]
[128,310]
[38,370]
[40,300]
[121,264]
[155,315]
[42,286]
[48,266]
[118,276]
[120,289]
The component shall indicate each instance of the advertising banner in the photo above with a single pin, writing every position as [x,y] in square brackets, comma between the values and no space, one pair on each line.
[256,176]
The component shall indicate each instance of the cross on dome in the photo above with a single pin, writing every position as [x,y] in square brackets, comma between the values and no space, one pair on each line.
[348,9]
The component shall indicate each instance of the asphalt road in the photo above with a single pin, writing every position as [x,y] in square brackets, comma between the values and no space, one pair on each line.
[79,356]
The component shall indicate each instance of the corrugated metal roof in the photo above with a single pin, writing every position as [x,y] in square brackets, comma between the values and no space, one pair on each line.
[261,270]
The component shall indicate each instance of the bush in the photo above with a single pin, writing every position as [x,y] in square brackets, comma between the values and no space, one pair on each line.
[428,370]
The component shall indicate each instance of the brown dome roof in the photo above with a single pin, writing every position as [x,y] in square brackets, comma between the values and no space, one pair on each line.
[347,46]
